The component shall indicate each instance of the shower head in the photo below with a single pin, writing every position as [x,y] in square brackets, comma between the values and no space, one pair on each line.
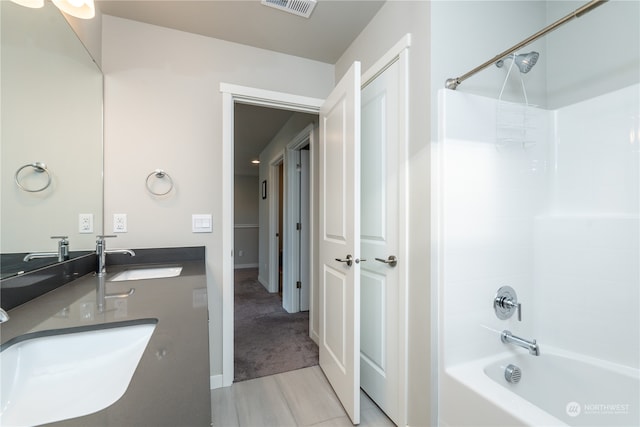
[524,61]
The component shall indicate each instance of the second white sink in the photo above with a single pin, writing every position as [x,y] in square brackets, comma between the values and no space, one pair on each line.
[147,273]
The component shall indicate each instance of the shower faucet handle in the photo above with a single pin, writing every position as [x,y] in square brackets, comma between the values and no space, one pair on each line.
[506,302]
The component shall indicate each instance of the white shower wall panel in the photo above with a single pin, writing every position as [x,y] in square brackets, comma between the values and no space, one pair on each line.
[586,281]
[587,251]
[595,156]
[556,219]
[490,193]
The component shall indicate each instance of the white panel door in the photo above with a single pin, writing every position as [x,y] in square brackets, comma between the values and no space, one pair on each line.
[379,345]
[339,243]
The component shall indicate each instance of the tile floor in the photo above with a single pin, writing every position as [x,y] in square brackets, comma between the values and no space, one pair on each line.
[296,398]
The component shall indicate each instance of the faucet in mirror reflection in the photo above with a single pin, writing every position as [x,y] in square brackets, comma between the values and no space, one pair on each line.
[62,254]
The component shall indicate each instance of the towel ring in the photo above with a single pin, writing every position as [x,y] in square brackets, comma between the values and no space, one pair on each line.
[160,174]
[39,167]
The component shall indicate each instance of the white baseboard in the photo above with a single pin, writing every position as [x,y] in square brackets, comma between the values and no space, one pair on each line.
[263,282]
[315,337]
[215,381]
[240,266]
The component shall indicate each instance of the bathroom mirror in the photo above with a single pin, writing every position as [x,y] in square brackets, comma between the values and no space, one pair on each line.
[51,112]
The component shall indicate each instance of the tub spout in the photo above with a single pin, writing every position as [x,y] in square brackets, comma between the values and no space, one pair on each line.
[508,338]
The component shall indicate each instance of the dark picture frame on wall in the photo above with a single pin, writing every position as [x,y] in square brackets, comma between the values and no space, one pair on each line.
[264,189]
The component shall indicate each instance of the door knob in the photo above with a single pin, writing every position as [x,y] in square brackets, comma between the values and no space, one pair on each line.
[392,260]
[348,260]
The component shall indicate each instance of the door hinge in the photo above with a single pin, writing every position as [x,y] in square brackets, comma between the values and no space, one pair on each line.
[298,226]
[298,284]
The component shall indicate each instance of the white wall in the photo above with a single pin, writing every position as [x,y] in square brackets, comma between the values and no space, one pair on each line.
[588,56]
[465,34]
[246,193]
[391,23]
[594,54]
[163,109]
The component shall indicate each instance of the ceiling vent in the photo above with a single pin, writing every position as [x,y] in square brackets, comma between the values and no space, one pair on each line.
[297,7]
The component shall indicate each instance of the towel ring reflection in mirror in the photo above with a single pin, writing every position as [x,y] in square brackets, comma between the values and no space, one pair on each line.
[159,174]
[38,167]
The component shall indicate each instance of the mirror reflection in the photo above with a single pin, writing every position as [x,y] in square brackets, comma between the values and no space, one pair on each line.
[50,141]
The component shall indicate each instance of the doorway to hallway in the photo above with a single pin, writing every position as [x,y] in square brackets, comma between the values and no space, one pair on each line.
[268,339]
[233,94]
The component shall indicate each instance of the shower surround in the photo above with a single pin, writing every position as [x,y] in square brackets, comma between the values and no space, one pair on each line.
[551,211]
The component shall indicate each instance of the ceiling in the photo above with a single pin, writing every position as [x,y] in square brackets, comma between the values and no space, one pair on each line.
[324,37]
[332,27]
[254,127]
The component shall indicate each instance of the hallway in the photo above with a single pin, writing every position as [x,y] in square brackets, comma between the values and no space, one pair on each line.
[267,339]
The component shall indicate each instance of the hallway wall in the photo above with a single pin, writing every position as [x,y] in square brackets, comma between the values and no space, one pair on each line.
[246,192]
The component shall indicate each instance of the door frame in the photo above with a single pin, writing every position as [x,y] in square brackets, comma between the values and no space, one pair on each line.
[252,96]
[274,200]
[290,300]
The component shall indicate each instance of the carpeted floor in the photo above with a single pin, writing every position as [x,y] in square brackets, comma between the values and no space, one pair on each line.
[268,340]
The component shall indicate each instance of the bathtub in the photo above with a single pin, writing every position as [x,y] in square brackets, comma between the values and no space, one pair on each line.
[557,388]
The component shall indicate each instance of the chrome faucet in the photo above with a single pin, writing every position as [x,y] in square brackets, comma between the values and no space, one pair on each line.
[4,316]
[62,254]
[101,252]
[508,338]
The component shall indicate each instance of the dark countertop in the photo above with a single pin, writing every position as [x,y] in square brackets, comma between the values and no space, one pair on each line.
[170,386]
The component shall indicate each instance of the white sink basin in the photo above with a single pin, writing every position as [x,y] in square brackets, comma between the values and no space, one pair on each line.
[147,273]
[66,373]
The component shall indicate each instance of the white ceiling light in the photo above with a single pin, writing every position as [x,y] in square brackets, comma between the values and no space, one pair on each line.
[83,9]
[297,7]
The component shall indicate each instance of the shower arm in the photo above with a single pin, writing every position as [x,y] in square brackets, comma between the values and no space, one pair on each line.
[453,83]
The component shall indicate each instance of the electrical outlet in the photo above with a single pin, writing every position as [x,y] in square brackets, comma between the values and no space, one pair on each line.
[85,223]
[240,253]
[119,223]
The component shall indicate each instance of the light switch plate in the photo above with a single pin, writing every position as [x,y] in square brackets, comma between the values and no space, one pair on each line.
[85,223]
[201,223]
